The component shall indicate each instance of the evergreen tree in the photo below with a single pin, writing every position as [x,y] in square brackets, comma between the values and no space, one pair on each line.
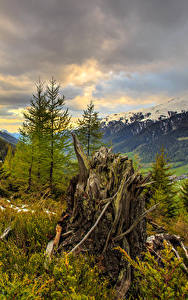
[184,194]
[59,142]
[162,186]
[34,132]
[89,130]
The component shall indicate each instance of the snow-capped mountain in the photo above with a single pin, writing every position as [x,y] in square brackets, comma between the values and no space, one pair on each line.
[155,113]
[145,131]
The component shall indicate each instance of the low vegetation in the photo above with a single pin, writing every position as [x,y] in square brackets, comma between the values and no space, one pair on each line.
[159,280]
[22,271]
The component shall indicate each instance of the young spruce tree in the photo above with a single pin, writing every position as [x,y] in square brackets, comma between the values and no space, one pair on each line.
[162,188]
[34,133]
[89,130]
[59,142]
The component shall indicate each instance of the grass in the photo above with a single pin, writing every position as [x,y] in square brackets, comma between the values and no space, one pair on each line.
[177,168]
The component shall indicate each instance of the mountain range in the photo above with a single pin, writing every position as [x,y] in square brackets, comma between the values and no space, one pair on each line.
[146,131]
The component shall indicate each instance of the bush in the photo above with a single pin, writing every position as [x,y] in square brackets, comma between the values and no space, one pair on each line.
[155,281]
[67,278]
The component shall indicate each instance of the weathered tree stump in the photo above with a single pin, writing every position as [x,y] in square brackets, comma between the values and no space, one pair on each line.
[105,210]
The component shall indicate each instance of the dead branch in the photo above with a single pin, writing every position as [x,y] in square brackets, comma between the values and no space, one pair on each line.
[119,237]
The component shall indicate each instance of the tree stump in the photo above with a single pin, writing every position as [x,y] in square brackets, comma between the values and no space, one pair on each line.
[105,211]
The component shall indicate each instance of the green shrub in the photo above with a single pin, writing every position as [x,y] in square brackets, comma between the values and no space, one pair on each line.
[154,281]
[78,276]
[68,278]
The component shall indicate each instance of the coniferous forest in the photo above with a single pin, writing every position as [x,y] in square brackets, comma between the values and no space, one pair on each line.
[81,222]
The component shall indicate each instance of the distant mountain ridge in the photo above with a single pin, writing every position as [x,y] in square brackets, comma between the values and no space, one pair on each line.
[154,113]
[145,131]
[8,137]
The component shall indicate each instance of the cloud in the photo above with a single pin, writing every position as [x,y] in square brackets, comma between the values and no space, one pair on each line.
[71,91]
[171,83]
[116,52]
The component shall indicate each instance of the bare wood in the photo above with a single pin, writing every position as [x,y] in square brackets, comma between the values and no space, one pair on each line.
[83,161]
[5,233]
[92,228]
[184,249]
[67,233]
[156,226]
[178,256]
[58,235]
[48,253]
[125,275]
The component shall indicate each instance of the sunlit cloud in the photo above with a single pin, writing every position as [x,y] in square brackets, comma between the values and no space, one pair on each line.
[84,74]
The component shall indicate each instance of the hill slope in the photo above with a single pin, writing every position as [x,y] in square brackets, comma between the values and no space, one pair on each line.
[5,140]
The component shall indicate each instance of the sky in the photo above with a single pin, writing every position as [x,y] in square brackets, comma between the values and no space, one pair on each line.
[121,54]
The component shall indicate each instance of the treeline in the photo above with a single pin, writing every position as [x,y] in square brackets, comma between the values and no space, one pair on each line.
[44,155]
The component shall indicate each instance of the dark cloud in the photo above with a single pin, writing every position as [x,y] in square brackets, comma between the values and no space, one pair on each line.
[45,34]
[16,100]
[144,38]
[70,92]
[171,82]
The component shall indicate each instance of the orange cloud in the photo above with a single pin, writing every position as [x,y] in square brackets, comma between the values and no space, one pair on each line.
[80,75]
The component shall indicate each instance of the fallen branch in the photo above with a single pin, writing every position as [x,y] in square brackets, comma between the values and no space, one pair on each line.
[5,233]
[184,249]
[48,253]
[156,226]
[178,256]
[67,233]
